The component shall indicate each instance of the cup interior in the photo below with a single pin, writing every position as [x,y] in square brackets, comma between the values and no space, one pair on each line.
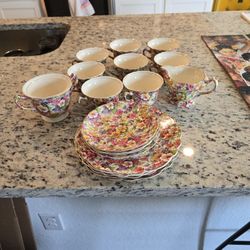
[131,61]
[86,70]
[92,54]
[171,58]
[102,87]
[143,81]
[163,44]
[47,85]
[125,45]
[185,74]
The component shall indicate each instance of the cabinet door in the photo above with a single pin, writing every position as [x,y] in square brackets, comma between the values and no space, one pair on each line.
[176,6]
[124,7]
[20,9]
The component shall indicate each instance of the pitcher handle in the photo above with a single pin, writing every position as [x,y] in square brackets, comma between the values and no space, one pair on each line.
[215,85]
[18,98]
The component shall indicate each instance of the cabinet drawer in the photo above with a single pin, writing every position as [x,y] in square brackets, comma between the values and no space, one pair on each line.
[124,7]
[20,9]
[177,6]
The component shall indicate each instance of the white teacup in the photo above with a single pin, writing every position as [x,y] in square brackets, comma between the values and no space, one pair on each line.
[160,44]
[86,70]
[143,86]
[129,62]
[186,83]
[49,95]
[102,89]
[92,54]
[171,58]
[124,45]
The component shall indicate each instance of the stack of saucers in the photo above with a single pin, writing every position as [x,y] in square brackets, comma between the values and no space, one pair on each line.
[127,141]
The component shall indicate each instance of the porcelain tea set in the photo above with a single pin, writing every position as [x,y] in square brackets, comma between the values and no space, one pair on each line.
[125,136]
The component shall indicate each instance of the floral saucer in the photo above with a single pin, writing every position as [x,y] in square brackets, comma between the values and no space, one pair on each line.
[156,158]
[131,178]
[118,127]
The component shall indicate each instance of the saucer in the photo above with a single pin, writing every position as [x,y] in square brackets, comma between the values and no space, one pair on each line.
[156,158]
[131,178]
[119,127]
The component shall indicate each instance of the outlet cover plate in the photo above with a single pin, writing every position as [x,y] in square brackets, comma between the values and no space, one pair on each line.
[51,221]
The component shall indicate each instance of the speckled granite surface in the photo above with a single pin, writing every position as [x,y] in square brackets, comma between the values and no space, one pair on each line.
[38,158]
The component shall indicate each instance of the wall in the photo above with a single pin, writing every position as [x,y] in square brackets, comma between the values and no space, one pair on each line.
[120,223]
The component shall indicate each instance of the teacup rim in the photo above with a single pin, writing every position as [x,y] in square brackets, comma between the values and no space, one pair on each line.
[169,68]
[172,52]
[122,51]
[143,72]
[99,77]
[174,40]
[131,53]
[26,84]
[87,62]
[99,60]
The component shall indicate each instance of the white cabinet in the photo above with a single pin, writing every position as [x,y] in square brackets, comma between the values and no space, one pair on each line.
[227,215]
[20,9]
[180,6]
[214,238]
[124,7]
[134,223]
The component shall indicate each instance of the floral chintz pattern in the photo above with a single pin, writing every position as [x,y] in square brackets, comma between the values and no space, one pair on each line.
[182,95]
[119,127]
[148,98]
[54,106]
[151,160]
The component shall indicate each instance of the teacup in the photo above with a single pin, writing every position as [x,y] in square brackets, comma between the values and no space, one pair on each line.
[185,83]
[160,44]
[171,58]
[86,70]
[92,54]
[143,86]
[101,89]
[124,45]
[129,62]
[49,95]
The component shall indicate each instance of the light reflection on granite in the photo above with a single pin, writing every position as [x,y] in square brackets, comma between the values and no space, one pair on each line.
[38,158]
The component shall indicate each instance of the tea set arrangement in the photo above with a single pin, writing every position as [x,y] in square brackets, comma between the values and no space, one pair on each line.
[126,136]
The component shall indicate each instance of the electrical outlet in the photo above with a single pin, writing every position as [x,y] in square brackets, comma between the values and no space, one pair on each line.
[51,222]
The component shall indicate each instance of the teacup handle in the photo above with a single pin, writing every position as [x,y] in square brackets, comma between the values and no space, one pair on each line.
[75,61]
[128,96]
[162,72]
[214,87]
[113,74]
[82,98]
[18,98]
[145,52]
[112,57]
[155,68]
[75,81]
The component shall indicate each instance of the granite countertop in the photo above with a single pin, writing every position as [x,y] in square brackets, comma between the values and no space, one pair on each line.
[38,158]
